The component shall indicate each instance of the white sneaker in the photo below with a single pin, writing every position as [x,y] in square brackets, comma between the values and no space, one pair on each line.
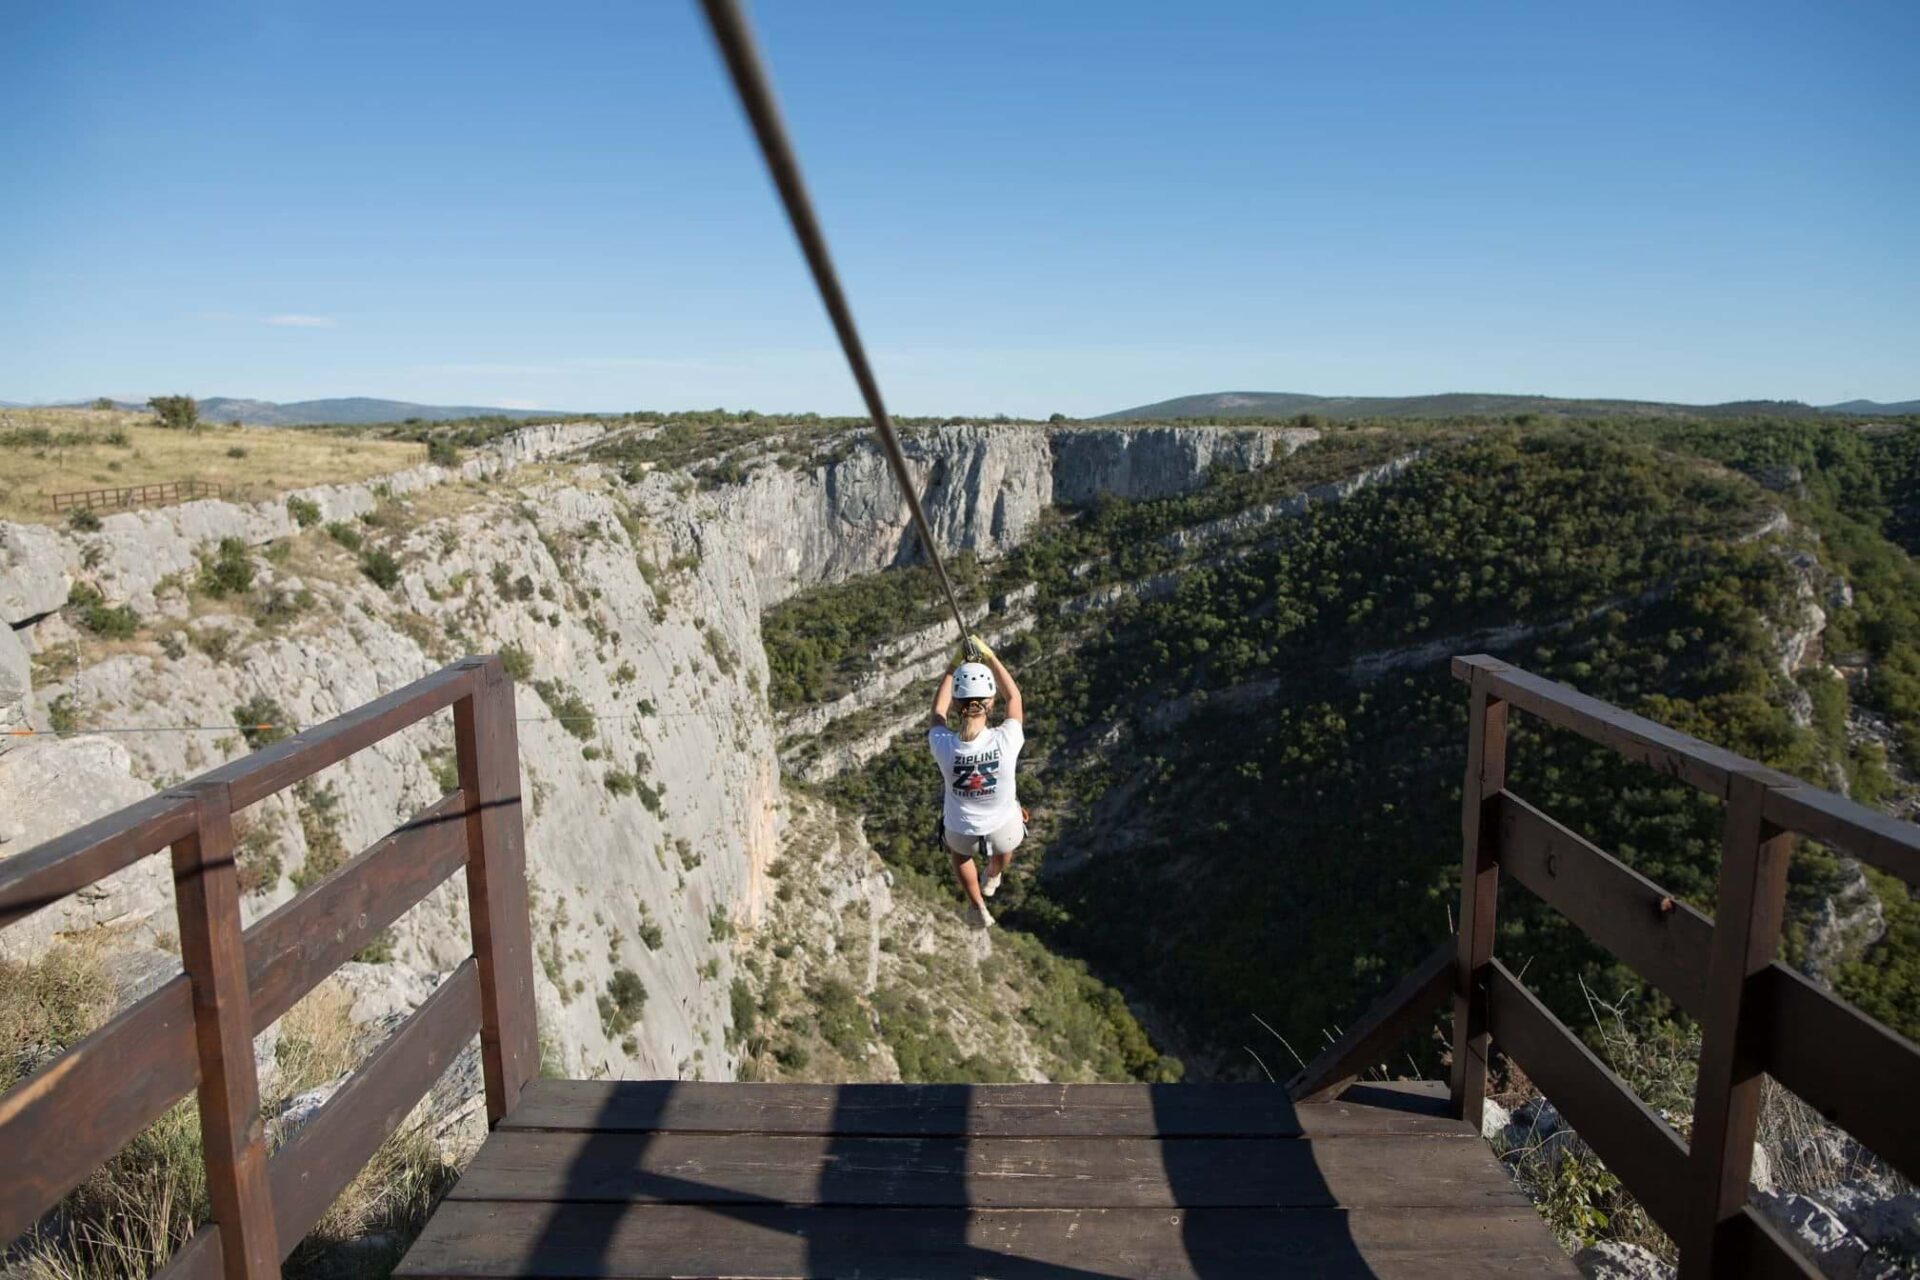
[979,917]
[992,886]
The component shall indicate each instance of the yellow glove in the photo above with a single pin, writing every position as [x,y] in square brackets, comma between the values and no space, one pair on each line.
[980,647]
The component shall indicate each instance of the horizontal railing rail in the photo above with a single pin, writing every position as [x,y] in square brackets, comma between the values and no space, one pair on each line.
[126,497]
[1757,1016]
[196,1030]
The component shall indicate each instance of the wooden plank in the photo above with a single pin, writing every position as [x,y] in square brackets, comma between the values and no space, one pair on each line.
[48,872]
[1726,1100]
[482,1238]
[1634,1143]
[206,887]
[1665,941]
[1673,753]
[1759,1251]
[76,1111]
[1867,834]
[953,1110]
[1855,1071]
[1479,896]
[306,939]
[200,1258]
[1402,1012]
[279,766]
[328,1152]
[486,743]
[993,1173]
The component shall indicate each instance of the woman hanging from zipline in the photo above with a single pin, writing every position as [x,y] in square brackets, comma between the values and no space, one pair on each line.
[983,815]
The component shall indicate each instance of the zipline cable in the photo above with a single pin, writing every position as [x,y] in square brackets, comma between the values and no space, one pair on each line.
[735,38]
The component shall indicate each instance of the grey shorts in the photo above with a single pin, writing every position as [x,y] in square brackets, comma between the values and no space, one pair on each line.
[1005,840]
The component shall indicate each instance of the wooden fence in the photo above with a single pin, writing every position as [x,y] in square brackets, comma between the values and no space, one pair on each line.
[197,1029]
[138,495]
[1757,1016]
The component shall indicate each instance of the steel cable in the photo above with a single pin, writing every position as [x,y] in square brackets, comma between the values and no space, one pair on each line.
[737,45]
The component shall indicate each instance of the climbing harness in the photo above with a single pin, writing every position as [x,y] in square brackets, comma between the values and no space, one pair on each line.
[750,80]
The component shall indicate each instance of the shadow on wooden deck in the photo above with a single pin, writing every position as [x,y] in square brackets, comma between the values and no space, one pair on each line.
[1205,1181]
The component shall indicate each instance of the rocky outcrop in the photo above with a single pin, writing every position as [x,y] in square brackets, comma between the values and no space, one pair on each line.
[1616,1260]
[1160,462]
[982,488]
[1843,923]
[33,572]
[16,681]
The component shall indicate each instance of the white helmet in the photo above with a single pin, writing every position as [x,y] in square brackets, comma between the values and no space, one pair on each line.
[973,680]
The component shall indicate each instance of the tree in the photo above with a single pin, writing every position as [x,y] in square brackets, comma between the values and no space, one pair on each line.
[104,402]
[1056,417]
[177,413]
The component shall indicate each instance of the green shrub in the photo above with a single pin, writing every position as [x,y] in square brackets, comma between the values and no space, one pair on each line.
[568,707]
[229,571]
[745,1014]
[83,521]
[262,721]
[278,607]
[63,713]
[620,1007]
[305,512]
[442,452]
[115,622]
[381,568]
[517,662]
[344,534]
[841,1020]
[177,413]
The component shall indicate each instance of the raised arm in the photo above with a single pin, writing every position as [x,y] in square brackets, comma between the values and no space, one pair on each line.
[942,699]
[1016,709]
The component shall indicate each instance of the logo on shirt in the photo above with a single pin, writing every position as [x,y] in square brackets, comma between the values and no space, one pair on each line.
[978,777]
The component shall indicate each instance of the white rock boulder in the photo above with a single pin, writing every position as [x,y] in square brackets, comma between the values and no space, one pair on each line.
[1818,1231]
[1613,1260]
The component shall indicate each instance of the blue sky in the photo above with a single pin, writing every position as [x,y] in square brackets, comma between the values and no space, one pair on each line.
[1037,207]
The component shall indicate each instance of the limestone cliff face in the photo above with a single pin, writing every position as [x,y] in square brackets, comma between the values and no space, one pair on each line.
[982,488]
[647,829]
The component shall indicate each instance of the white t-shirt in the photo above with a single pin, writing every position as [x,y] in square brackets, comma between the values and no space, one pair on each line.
[979,776]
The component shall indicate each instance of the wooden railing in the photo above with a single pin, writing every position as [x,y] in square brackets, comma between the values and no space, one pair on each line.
[1757,1016]
[197,1029]
[123,497]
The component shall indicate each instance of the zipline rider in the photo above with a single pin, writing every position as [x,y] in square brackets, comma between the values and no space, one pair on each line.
[983,814]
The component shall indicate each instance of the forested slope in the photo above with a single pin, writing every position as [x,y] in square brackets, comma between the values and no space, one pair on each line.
[1249,786]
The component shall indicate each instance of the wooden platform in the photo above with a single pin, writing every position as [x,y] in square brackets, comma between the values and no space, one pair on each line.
[663,1179]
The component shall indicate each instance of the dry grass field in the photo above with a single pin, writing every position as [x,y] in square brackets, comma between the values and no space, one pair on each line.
[49,451]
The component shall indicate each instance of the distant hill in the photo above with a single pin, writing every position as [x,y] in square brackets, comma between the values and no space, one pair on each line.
[352,409]
[1873,407]
[307,413]
[1281,404]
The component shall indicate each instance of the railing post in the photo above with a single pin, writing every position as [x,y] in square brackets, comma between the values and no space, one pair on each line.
[487,740]
[1479,887]
[206,888]
[1746,934]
